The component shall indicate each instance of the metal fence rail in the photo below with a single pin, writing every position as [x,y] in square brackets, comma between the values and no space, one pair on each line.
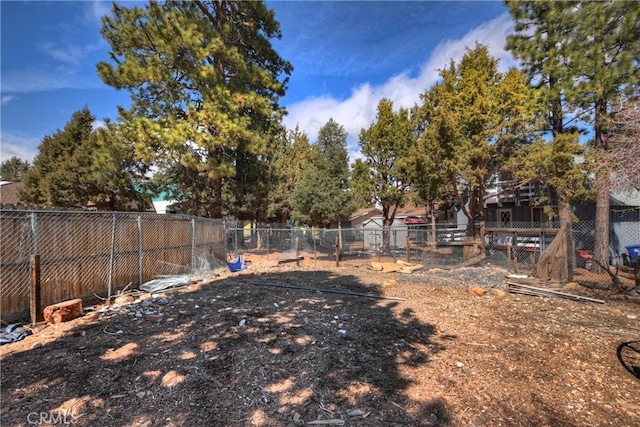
[86,253]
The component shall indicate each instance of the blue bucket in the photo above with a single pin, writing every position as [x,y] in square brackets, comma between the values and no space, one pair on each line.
[634,252]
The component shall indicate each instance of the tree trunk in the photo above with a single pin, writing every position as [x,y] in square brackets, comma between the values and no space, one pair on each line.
[601,250]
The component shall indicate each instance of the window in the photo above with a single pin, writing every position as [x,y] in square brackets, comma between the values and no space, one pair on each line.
[504,216]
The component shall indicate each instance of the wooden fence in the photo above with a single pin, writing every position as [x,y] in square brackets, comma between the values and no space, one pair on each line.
[87,253]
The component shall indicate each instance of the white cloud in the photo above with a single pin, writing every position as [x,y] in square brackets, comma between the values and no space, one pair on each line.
[11,145]
[95,10]
[6,99]
[97,124]
[359,109]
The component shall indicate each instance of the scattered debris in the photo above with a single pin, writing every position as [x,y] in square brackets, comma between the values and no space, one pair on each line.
[153,317]
[354,412]
[283,261]
[517,288]
[397,267]
[329,291]
[166,282]
[63,311]
[124,299]
[13,333]
[333,422]
[498,293]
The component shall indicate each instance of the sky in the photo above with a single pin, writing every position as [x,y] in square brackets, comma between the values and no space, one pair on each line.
[347,55]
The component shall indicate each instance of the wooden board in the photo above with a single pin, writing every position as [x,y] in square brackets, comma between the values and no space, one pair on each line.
[63,311]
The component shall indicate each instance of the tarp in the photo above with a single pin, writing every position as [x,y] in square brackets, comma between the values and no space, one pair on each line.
[236,265]
[553,264]
[13,333]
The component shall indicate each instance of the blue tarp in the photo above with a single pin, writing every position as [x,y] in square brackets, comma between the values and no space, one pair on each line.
[236,265]
[13,333]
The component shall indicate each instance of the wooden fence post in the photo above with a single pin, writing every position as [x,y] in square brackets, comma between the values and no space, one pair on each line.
[408,249]
[35,303]
[337,253]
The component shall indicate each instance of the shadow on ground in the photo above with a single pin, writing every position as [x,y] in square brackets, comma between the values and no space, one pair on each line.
[230,353]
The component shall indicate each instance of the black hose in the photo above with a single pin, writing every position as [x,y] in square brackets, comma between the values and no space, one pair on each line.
[329,291]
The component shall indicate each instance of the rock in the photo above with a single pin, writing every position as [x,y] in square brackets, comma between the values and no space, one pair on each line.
[242,323]
[354,412]
[36,344]
[141,394]
[498,293]
[153,317]
[572,286]
[459,365]
[124,299]
[435,270]
[478,291]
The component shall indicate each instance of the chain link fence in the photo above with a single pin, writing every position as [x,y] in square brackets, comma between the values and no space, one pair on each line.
[516,247]
[87,253]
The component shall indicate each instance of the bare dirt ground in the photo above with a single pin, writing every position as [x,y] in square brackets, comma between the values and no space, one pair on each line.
[228,351]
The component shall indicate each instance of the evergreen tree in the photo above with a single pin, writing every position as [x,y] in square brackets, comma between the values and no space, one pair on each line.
[473,119]
[586,53]
[77,166]
[541,43]
[321,194]
[14,169]
[290,155]
[205,83]
[383,176]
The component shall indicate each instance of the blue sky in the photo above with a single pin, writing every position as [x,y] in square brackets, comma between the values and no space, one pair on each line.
[347,55]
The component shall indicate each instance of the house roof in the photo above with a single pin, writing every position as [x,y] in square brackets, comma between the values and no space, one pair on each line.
[364,212]
[412,220]
[9,192]
[625,198]
[410,211]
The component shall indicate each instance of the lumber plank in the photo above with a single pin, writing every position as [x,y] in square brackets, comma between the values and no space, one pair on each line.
[532,290]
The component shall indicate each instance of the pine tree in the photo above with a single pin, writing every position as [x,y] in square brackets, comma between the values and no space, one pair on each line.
[290,155]
[585,53]
[472,120]
[382,176]
[542,57]
[322,194]
[77,166]
[204,83]
[14,169]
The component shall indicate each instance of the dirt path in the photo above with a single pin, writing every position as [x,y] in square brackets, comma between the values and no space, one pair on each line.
[227,352]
